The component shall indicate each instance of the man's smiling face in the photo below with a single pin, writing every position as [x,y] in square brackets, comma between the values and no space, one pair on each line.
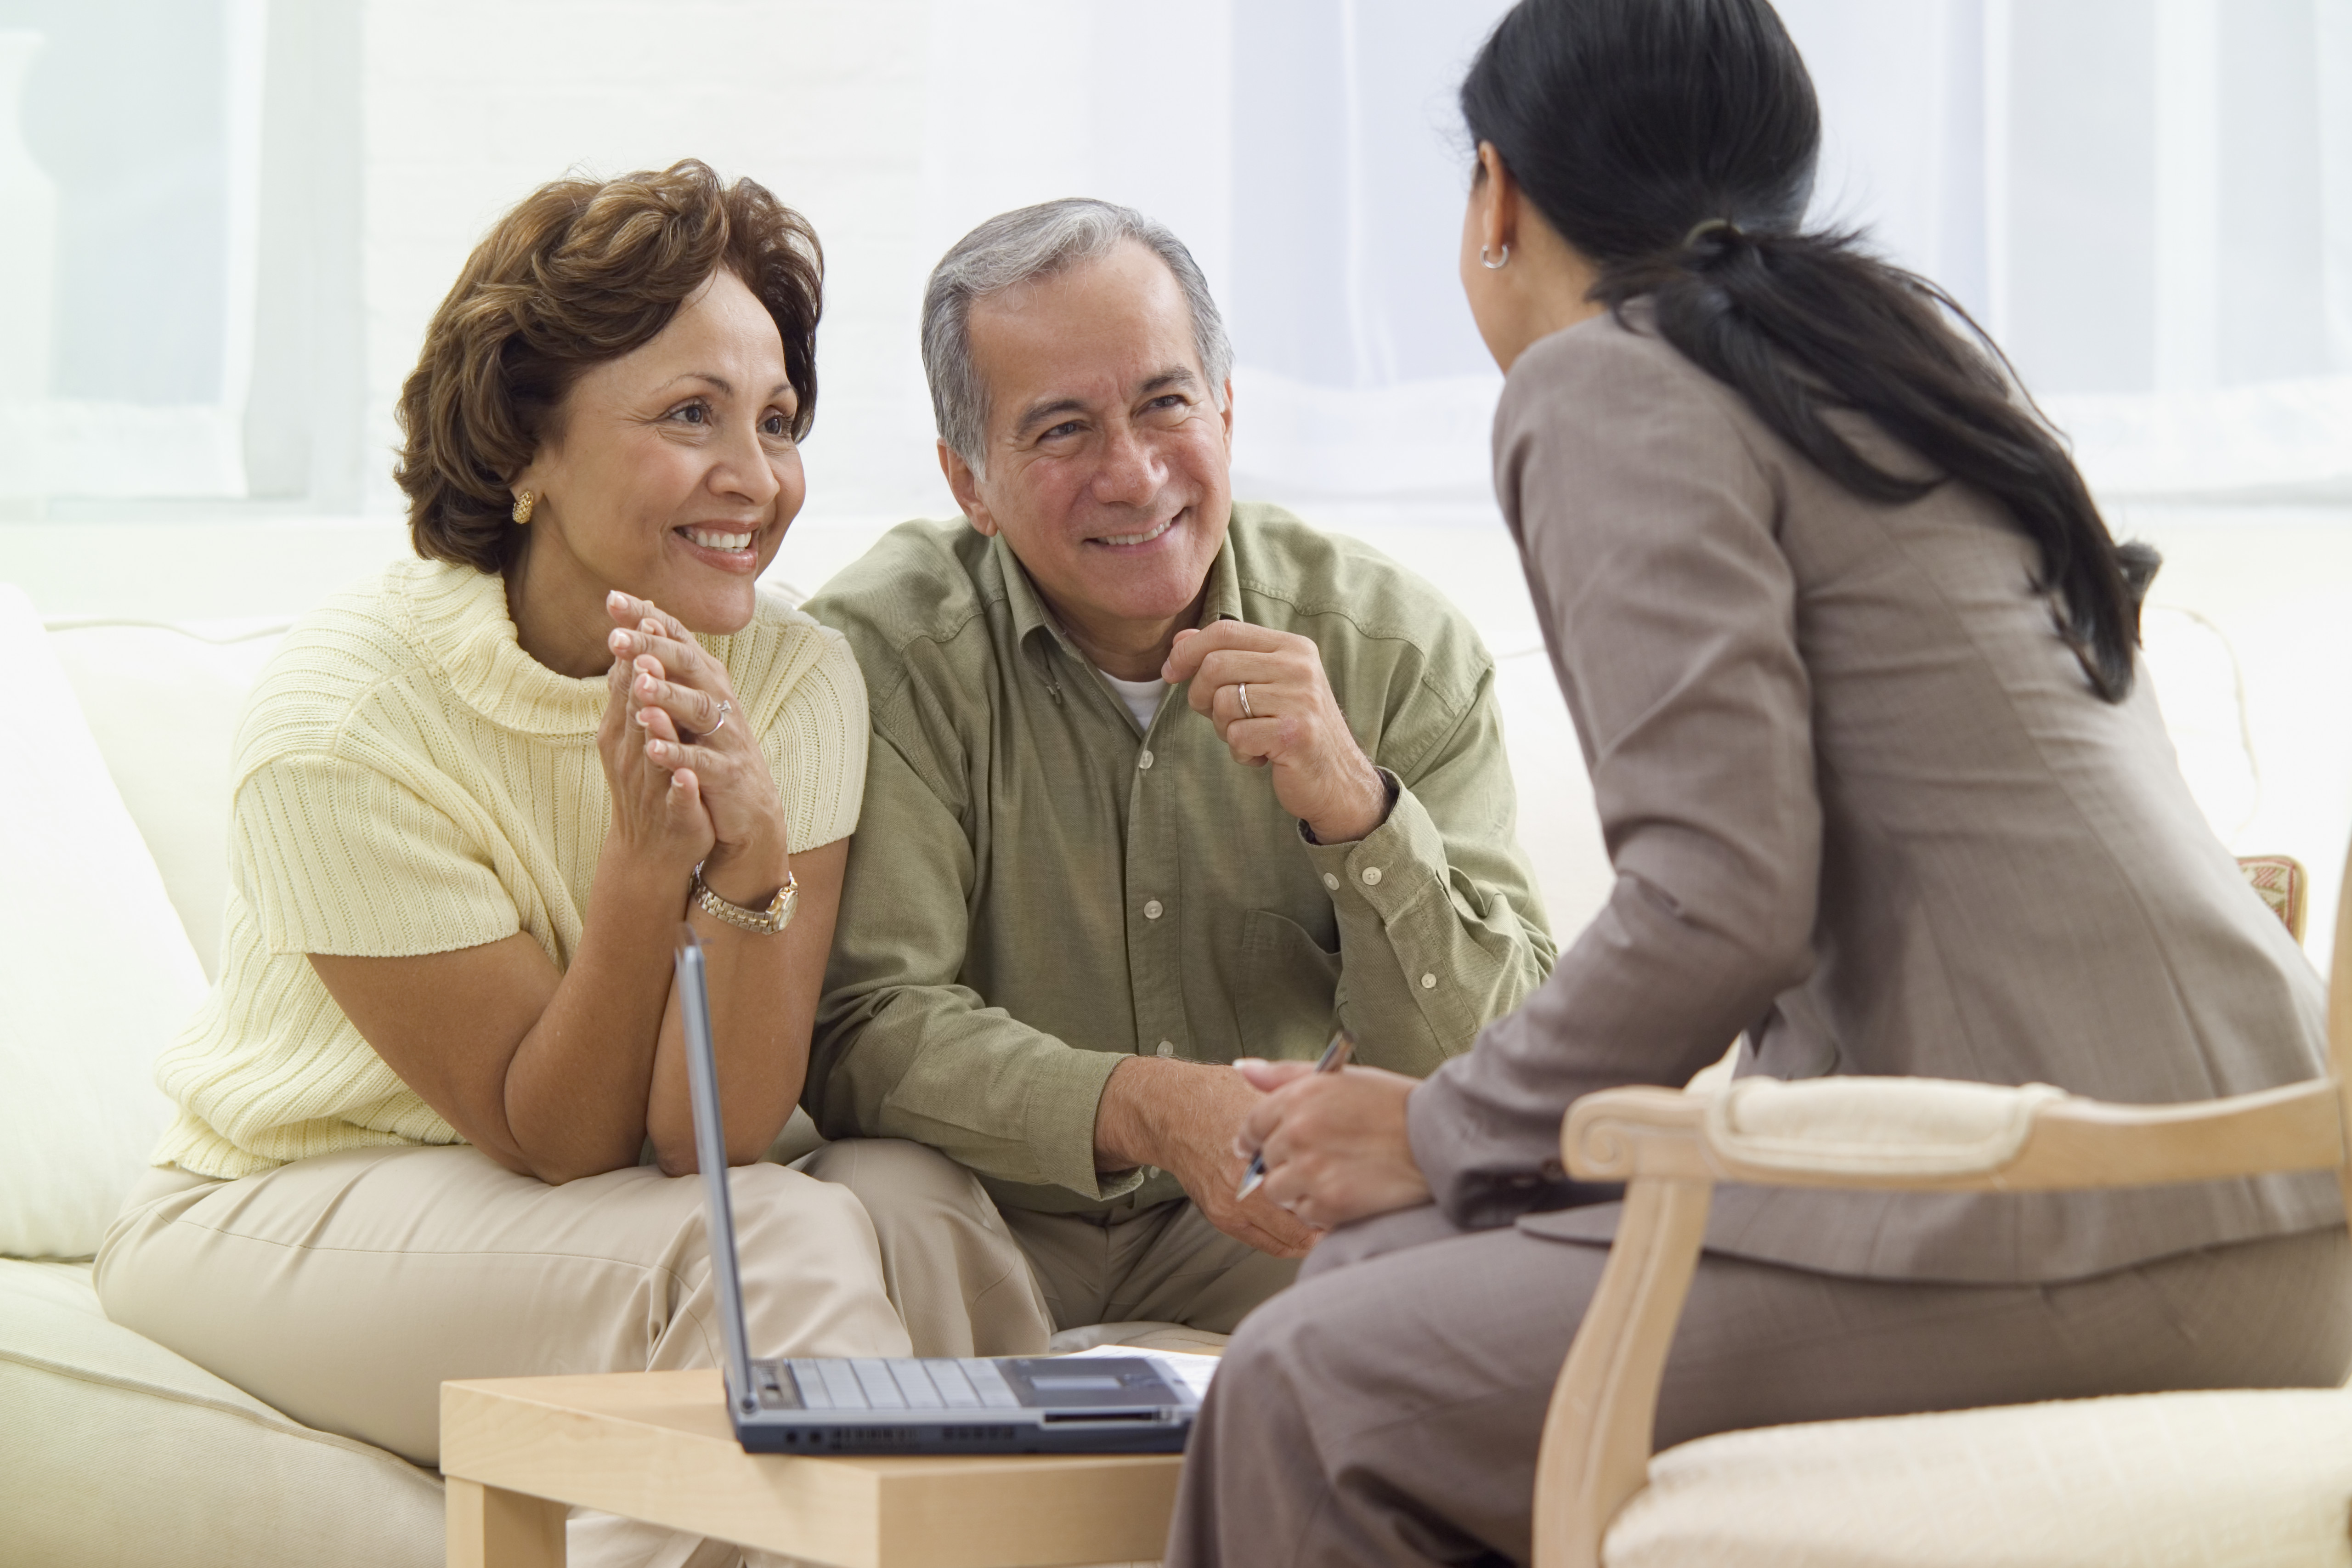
[1107,452]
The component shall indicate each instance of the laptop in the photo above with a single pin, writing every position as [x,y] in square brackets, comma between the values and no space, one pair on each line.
[976,1405]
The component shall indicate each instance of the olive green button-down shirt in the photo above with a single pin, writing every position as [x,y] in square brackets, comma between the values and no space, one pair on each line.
[1039,889]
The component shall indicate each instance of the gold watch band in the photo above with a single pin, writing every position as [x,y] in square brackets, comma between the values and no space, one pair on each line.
[769,922]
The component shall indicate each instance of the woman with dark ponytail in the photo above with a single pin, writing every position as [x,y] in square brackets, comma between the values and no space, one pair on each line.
[1855,664]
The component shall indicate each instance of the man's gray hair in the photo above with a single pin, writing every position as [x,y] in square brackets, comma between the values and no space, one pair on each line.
[1020,247]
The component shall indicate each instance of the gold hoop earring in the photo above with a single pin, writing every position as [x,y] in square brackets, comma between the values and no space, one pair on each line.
[523,505]
[1495,266]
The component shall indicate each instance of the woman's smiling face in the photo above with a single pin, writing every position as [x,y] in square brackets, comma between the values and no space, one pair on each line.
[669,473]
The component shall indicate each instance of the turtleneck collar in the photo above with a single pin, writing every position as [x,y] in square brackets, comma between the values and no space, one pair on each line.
[461,620]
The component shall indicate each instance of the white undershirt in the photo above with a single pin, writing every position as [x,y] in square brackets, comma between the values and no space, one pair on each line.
[1141,697]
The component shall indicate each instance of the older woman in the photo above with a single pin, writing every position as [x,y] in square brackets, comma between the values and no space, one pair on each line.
[1853,659]
[421,1114]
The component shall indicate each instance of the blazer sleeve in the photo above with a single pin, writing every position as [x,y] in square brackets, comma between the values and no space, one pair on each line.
[1647,526]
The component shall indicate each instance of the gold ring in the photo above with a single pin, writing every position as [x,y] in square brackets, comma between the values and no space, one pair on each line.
[1246,707]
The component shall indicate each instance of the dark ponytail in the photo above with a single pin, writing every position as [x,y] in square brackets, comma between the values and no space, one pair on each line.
[1673,143]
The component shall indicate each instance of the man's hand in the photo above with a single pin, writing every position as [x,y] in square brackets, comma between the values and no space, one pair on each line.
[1335,1143]
[1290,723]
[1183,1117]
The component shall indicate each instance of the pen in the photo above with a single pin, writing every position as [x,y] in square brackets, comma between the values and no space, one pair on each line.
[1335,1056]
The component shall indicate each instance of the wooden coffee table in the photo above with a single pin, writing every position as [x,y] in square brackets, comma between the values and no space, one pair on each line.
[657,1445]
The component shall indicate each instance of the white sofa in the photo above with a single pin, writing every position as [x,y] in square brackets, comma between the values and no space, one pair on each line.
[112,1449]
[112,871]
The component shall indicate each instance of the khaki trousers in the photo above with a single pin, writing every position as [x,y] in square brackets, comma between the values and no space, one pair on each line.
[1384,1413]
[969,1279]
[344,1289]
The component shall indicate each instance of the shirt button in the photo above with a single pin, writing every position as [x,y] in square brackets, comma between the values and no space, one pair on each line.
[1167,1048]
[1144,761]
[1371,876]
[1429,982]
[1151,909]
[1330,881]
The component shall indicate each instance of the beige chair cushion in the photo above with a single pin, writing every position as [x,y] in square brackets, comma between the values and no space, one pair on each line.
[115,1451]
[2171,1480]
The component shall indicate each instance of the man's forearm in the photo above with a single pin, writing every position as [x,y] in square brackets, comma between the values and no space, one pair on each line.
[929,1063]
[1128,1129]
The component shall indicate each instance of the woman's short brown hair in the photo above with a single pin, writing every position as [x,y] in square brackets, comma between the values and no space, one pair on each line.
[580,272]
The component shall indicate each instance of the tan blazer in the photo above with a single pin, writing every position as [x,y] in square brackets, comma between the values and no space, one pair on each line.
[1865,810]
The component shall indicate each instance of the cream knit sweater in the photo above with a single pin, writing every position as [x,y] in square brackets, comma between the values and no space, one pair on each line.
[409,781]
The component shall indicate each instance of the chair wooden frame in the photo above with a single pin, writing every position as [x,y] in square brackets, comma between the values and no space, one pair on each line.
[1598,1435]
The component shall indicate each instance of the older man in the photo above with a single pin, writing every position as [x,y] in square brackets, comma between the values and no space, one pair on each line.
[1157,782]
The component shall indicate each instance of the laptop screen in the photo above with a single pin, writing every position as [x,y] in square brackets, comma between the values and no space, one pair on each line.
[711,1153]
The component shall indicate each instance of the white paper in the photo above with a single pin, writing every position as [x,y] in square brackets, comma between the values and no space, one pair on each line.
[1182,1366]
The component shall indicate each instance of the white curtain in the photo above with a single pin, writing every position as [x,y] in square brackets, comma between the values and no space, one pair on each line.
[2148,202]
[1310,155]
[129,172]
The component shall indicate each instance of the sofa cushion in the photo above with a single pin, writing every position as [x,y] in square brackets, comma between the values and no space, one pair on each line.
[2165,1480]
[1559,827]
[163,703]
[113,1451]
[96,973]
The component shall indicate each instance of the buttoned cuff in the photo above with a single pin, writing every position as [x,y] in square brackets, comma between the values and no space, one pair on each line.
[1063,1102]
[1391,866]
[1391,787]
[1392,882]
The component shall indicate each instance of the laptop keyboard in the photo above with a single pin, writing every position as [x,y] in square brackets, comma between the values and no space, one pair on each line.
[897,1384]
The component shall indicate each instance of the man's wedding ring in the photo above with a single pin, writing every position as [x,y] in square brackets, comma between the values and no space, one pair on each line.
[1246,707]
[724,709]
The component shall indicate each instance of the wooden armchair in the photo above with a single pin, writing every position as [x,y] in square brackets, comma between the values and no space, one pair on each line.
[2226,1479]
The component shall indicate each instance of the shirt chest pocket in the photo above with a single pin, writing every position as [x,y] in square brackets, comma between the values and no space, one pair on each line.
[1288,992]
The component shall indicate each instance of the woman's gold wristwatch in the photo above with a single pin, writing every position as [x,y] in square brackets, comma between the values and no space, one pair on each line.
[769,922]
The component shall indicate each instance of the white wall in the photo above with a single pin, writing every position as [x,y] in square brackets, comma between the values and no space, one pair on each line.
[469,104]
[895,125]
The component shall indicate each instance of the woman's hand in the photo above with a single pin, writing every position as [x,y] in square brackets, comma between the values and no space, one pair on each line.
[689,733]
[659,815]
[1335,1143]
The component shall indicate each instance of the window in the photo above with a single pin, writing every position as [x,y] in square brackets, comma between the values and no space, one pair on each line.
[176,268]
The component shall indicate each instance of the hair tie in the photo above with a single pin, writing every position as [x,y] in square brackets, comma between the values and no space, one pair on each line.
[1722,225]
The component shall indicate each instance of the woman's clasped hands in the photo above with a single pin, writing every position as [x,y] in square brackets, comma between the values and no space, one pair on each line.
[689,784]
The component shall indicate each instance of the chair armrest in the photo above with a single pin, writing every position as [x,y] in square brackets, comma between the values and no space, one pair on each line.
[1931,1135]
[1672,1146]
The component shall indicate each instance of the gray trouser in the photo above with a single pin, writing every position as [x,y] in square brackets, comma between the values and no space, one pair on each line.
[969,1279]
[1386,1409]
